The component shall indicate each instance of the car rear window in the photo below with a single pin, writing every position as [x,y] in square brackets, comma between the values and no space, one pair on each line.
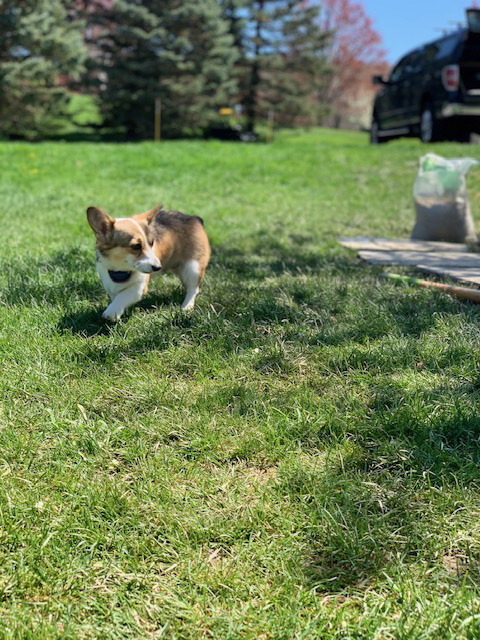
[441,49]
[446,47]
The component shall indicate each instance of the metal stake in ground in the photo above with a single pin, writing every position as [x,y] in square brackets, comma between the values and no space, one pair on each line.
[158,115]
[460,292]
[270,126]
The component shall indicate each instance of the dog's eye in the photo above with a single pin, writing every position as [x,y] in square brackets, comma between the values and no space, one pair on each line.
[136,247]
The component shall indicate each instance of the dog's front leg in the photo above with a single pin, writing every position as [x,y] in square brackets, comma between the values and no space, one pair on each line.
[122,300]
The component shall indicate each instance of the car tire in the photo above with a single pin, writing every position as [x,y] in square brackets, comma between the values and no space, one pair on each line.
[430,130]
[462,136]
[375,138]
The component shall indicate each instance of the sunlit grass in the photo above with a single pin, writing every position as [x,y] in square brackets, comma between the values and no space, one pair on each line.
[298,458]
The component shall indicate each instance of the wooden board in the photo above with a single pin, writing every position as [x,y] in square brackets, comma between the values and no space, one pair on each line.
[465,274]
[367,243]
[445,259]
[415,258]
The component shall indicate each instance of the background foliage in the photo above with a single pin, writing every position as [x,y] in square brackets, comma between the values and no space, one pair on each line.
[289,58]
[40,47]
[179,52]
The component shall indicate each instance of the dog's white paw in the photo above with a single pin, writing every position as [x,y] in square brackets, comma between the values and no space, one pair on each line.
[112,315]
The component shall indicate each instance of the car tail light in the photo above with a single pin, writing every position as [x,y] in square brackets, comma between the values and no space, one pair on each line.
[451,77]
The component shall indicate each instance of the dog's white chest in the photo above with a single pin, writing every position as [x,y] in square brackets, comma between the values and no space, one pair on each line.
[114,288]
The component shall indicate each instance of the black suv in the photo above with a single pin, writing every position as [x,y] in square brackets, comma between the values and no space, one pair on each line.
[434,91]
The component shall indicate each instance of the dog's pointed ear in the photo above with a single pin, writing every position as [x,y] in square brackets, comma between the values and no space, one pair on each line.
[151,213]
[100,222]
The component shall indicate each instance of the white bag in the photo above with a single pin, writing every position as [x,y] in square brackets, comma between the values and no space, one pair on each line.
[441,200]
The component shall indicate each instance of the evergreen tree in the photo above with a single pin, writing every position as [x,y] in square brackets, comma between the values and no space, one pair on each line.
[231,12]
[283,63]
[41,50]
[176,50]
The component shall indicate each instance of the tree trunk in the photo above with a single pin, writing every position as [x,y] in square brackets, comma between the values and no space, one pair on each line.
[251,98]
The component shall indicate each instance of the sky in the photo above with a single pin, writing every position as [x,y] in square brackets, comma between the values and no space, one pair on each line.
[406,24]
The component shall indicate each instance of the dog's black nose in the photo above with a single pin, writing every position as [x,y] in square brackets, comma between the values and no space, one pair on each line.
[156,268]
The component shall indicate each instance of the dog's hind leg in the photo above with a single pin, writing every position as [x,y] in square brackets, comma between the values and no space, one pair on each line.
[191,276]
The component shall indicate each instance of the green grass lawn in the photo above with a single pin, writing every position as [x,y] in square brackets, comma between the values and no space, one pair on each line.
[297,458]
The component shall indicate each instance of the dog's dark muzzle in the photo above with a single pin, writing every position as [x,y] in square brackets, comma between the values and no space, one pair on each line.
[119,276]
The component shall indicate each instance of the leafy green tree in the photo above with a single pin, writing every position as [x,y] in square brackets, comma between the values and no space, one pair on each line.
[179,51]
[41,51]
[283,58]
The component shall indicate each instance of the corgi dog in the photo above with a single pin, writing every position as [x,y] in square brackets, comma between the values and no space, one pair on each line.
[130,250]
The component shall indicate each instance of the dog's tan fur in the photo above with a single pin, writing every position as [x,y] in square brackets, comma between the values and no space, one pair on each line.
[175,241]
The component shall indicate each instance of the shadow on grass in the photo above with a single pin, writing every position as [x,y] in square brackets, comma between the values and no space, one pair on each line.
[263,262]
[375,505]
[90,322]
[232,325]
[86,323]
[65,276]
[274,279]
[393,500]
[228,268]
[272,252]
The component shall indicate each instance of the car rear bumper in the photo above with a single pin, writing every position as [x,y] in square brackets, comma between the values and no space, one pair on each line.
[458,109]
